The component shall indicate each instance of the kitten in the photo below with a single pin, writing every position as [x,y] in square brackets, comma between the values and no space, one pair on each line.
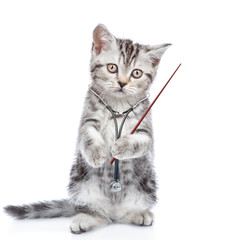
[122,72]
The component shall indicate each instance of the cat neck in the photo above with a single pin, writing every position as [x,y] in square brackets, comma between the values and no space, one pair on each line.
[118,104]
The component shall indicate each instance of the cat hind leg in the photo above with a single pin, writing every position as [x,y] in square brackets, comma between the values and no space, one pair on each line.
[141,218]
[84,222]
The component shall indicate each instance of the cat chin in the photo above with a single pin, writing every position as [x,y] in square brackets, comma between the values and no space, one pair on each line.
[120,94]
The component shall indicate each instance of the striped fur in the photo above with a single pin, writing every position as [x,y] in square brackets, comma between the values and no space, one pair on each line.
[90,199]
[46,209]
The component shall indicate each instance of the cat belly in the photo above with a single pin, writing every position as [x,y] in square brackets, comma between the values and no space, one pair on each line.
[131,202]
[111,205]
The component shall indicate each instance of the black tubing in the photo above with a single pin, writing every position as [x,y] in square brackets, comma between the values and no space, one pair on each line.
[118,135]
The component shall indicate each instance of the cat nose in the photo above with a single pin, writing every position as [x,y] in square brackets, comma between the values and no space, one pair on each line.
[122,84]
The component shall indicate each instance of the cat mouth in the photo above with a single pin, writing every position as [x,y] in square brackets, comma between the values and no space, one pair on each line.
[121,90]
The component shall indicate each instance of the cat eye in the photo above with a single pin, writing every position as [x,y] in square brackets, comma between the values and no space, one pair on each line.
[112,68]
[136,73]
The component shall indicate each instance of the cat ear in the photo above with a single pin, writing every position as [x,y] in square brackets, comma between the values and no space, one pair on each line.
[157,51]
[102,39]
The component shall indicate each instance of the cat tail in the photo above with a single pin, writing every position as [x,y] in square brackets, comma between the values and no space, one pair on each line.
[46,209]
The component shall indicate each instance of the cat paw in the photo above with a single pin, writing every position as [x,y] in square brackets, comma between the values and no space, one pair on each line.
[144,218]
[96,156]
[84,223]
[120,149]
[141,218]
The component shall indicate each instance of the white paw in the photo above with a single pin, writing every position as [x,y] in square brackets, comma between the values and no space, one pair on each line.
[83,222]
[96,156]
[143,218]
[120,149]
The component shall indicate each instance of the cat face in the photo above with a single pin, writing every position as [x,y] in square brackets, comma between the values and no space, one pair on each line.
[122,68]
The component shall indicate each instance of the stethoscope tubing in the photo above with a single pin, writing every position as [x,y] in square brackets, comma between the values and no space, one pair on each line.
[118,133]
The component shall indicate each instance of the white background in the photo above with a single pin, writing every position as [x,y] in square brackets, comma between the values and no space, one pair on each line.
[44,73]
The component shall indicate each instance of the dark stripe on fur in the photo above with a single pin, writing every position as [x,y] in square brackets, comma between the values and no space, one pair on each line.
[19,212]
[79,171]
[94,122]
[95,67]
[134,57]
[146,180]
[146,131]
[91,120]
[47,209]
[129,50]
[150,77]
[140,130]
[86,210]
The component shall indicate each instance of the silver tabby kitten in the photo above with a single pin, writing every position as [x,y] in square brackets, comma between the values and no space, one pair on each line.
[122,72]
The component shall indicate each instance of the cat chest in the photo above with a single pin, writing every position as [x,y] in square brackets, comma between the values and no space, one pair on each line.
[108,131]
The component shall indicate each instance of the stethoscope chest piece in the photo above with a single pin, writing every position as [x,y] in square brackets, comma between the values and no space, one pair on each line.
[115,186]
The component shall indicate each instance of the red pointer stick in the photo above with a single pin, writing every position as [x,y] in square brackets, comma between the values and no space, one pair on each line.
[134,129]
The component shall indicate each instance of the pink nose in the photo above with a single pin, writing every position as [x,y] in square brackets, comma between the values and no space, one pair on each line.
[122,84]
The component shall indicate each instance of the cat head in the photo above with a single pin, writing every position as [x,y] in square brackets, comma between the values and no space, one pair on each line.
[121,68]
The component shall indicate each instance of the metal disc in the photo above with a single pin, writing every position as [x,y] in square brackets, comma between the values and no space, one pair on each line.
[115,186]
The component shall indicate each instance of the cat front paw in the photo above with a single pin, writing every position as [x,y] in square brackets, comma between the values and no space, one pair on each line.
[96,156]
[120,149]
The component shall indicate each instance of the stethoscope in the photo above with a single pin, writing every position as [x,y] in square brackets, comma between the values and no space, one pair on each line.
[115,186]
